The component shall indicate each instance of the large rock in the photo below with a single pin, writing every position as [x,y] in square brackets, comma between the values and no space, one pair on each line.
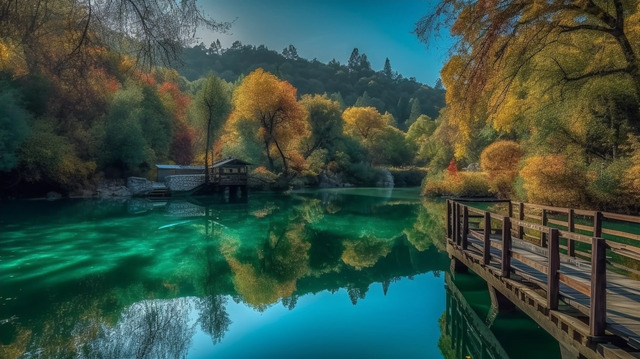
[113,189]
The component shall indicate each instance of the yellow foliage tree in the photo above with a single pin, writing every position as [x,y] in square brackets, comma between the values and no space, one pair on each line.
[271,103]
[554,180]
[500,157]
[364,123]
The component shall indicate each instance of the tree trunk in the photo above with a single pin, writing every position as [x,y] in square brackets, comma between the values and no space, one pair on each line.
[284,159]
[206,152]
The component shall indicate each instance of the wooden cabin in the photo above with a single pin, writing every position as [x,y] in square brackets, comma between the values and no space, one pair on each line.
[163,171]
[229,172]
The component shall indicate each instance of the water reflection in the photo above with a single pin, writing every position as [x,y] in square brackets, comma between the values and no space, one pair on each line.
[471,329]
[464,333]
[137,279]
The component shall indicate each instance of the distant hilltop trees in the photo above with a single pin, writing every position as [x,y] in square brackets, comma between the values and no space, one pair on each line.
[355,83]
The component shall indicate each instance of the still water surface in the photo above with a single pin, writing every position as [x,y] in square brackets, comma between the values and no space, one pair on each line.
[349,273]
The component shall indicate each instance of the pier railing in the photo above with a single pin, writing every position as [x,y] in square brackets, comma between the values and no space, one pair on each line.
[512,231]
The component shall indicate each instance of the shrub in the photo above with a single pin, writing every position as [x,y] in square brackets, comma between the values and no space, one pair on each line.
[501,156]
[466,184]
[554,180]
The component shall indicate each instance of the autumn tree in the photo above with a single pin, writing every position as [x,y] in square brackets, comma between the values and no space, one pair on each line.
[148,31]
[554,180]
[501,156]
[271,103]
[518,62]
[212,105]
[363,122]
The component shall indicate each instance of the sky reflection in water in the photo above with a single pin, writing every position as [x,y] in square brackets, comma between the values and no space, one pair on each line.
[333,273]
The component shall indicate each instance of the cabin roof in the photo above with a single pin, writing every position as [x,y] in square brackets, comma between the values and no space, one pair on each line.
[179,167]
[230,162]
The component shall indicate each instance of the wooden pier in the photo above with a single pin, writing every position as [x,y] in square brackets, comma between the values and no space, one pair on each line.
[574,272]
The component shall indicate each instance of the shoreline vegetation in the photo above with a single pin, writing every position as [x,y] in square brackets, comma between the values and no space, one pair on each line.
[543,111]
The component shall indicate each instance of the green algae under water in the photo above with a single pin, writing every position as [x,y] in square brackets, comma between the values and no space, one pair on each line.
[343,273]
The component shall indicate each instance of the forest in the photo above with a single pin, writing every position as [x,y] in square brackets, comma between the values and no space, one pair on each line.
[542,102]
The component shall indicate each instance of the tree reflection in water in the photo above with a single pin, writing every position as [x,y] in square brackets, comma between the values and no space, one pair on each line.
[274,248]
[147,329]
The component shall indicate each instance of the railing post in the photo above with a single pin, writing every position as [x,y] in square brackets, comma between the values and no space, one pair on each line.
[543,234]
[465,227]
[486,249]
[456,222]
[598,307]
[571,244]
[553,284]
[597,224]
[506,247]
[449,219]
[521,217]
[510,209]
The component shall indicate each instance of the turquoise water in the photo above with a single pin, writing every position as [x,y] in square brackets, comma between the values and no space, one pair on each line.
[347,273]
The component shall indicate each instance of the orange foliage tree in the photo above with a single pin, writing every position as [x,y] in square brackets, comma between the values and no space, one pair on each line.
[554,180]
[500,161]
[500,157]
[264,99]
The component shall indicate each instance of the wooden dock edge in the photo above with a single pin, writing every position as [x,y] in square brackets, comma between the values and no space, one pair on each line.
[568,331]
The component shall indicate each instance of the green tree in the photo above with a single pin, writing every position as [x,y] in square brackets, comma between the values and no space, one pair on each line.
[156,124]
[325,120]
[416,111]
[212,105]
[123,141]
[387,68]
[13,128]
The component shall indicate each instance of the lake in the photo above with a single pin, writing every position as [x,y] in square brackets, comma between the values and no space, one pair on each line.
[340,273]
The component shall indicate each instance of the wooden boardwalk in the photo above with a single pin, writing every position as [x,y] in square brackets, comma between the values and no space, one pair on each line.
[570,290]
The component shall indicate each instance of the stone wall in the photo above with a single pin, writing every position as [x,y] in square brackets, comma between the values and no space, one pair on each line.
[139,185]
[183,182]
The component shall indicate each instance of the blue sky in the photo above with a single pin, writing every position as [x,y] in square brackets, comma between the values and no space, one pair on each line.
[327,29]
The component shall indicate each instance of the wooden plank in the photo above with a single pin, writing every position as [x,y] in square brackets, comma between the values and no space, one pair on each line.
[533,216]
[621,217]
[553,284]
[610,351]
[575,236]
[621,246]
[583,212]
[613,232]
[533,226]
[575,283]
[557,222]
[548,208]
[529,262]
[598,309]
[582,227]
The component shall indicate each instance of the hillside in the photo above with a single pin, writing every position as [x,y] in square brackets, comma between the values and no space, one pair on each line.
[350,84]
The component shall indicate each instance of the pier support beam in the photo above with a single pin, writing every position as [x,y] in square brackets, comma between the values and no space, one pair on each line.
[457,266]
[498,301]
[568,352]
